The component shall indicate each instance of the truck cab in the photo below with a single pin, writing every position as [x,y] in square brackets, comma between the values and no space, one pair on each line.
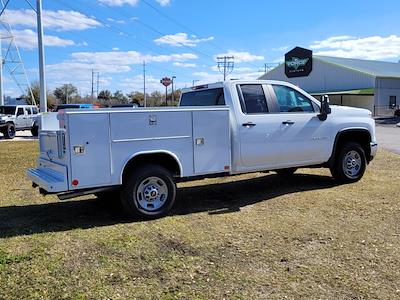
[219,129]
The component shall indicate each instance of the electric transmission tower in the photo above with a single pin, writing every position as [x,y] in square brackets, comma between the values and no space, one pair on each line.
[11,59]
[226,65]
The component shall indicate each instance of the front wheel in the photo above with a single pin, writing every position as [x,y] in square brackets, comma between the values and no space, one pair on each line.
[149,192]
[350,163]
[9,132]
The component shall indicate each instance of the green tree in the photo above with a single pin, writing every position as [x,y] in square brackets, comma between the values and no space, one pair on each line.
[35,88]
[104,95]
[119,97]
[136,97]
[66,93]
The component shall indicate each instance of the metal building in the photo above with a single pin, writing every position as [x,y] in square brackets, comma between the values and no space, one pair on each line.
[374,85]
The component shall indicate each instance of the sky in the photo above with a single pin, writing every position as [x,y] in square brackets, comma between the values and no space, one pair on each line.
[183,38]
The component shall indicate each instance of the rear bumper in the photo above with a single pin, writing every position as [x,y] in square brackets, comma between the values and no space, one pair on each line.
[49,176]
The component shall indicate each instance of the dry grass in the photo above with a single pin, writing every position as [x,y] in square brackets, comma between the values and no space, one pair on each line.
[249,236]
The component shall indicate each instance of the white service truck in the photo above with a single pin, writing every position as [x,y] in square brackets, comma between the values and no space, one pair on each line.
[219,129]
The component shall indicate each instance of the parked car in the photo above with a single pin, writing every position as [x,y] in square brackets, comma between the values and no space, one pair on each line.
[219,129]
[75,106]
[18,117]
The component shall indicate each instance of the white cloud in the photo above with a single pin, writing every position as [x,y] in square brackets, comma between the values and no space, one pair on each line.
[118,2]
[283,48]
[27,39]
[116,21]
[181,39]
[128,57]
[184,65]
[115,49]
[240,57]
[373,47]
[60,20]
[164,2]
[136,84]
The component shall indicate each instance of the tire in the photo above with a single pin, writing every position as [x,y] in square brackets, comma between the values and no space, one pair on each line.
[350,163]
[35,130]
[9,132]
[286,172]
[149,192]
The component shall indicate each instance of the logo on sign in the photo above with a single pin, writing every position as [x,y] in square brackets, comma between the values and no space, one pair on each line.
[298,62]
[166,81]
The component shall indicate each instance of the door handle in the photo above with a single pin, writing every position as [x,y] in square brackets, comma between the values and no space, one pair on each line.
[248,124]
[287,122]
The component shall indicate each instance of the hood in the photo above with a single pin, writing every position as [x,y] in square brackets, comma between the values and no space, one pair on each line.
[350,111]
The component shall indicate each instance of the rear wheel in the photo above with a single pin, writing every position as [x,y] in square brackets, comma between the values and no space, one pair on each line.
[35,130]
[350,163]
[149,192]
[286,172]
[9,132]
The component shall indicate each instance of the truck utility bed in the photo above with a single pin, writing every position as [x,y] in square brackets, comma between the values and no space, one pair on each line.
[90,148]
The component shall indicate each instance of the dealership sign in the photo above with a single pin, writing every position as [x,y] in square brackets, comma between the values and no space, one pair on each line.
[166,81]
[298,62]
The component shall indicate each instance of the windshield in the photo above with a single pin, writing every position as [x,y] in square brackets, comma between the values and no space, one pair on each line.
[7,110]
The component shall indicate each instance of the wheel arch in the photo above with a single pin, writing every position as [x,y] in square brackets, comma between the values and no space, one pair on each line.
[357,134]
[163,158]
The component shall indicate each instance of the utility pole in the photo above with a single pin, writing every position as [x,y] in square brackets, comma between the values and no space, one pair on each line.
[144,84]
[225,65]
[194,81]
[92,85]
[268,67]
[66,93]
[172,95]
[1,74]
[42,75]
[98,84]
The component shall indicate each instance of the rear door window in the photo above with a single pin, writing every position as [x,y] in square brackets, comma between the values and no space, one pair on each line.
[253,99]
[203,98]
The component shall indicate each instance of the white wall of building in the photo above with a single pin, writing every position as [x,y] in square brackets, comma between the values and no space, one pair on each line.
[386,87]
[325,77]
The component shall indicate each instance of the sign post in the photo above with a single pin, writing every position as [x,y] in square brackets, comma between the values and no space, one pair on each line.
[166,81]
[298,62]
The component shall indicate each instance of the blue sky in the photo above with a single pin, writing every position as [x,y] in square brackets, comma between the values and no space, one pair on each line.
[183,37]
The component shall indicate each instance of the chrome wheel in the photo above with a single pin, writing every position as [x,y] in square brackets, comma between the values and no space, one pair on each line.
[152,193]
[352,164]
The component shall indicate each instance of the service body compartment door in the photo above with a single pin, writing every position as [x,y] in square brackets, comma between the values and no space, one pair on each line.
[89,136]
[211,141]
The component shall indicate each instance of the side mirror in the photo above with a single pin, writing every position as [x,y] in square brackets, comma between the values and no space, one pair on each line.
[325,109]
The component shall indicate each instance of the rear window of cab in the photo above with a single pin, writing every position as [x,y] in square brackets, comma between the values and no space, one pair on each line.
[208,97]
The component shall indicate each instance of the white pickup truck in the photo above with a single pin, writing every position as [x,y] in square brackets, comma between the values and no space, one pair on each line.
[219,129]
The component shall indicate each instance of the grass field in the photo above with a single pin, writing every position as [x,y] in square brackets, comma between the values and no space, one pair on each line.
[249,236]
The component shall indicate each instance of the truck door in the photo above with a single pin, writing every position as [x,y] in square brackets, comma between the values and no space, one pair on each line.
[259,129]
[29,117]
[279,127]
[20,120]
[304,139]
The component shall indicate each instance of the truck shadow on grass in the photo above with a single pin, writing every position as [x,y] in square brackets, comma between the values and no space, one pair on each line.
[212,198]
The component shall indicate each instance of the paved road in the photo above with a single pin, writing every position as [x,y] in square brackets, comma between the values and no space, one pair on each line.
[388,137]
[21,136]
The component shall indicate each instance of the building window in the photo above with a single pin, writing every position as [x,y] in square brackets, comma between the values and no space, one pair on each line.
[392,101]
